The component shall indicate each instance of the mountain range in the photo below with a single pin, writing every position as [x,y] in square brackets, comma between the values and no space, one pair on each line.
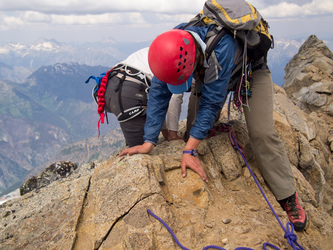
[45,104]
[51,108]
[18,60]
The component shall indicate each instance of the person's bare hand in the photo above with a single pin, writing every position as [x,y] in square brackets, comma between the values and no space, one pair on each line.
[193,163]
[145,148]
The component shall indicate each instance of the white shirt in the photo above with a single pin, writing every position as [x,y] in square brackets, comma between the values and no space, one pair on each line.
[139,60]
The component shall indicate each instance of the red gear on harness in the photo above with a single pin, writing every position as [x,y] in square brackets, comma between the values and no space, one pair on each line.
[101,100]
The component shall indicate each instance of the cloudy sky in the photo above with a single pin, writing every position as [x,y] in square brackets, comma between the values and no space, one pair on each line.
[142,20]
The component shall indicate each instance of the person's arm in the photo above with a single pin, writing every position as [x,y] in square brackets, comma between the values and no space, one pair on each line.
[212,99]
[214,93]
[158,102]
[174,110]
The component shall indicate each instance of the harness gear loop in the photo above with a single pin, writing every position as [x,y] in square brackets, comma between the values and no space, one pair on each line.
[119,89]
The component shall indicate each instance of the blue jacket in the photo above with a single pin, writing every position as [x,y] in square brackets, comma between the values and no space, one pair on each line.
[213,93]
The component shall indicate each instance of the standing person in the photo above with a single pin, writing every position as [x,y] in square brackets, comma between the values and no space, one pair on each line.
[177,55]
[125,94]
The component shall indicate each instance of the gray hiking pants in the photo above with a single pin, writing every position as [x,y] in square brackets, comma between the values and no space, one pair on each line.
[265,142]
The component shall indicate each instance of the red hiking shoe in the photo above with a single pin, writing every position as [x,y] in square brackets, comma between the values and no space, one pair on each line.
[295,212]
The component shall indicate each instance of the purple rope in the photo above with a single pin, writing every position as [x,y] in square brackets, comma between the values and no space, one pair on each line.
[289,232]
[180,245]
[169,229]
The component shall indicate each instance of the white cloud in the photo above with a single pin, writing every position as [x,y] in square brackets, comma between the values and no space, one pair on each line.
[175,18]
[102,6]
[33,16]
[91,12]
[30,17]
[128,11]
[284,9]
[114,18]
[10,22]
[60,17]
[309,7]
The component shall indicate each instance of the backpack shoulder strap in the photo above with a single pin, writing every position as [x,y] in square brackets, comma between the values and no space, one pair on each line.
[213,40]
[213,36]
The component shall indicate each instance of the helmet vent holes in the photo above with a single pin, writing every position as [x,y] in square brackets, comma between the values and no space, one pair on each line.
[171,56]
[181,77]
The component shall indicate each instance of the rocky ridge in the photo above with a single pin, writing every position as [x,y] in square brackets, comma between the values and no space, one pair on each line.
[105,205]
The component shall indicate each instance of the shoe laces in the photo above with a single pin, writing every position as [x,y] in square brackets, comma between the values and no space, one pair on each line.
[292,206]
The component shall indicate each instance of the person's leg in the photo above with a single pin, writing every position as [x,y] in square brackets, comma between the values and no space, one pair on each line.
[133,130]
[174,110]
[266,144]
[175,107]
[269,149]
[164,130]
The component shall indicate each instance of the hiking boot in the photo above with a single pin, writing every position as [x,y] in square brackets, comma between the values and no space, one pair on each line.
[295,212]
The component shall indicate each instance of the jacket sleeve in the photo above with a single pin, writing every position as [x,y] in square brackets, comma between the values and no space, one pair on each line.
[158,102]
[215,93]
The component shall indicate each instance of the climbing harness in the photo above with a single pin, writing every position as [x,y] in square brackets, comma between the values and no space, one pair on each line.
[134,76]
[123,72]
[137,74]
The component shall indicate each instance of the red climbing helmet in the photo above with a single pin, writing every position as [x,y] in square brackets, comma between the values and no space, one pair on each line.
[171,58]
